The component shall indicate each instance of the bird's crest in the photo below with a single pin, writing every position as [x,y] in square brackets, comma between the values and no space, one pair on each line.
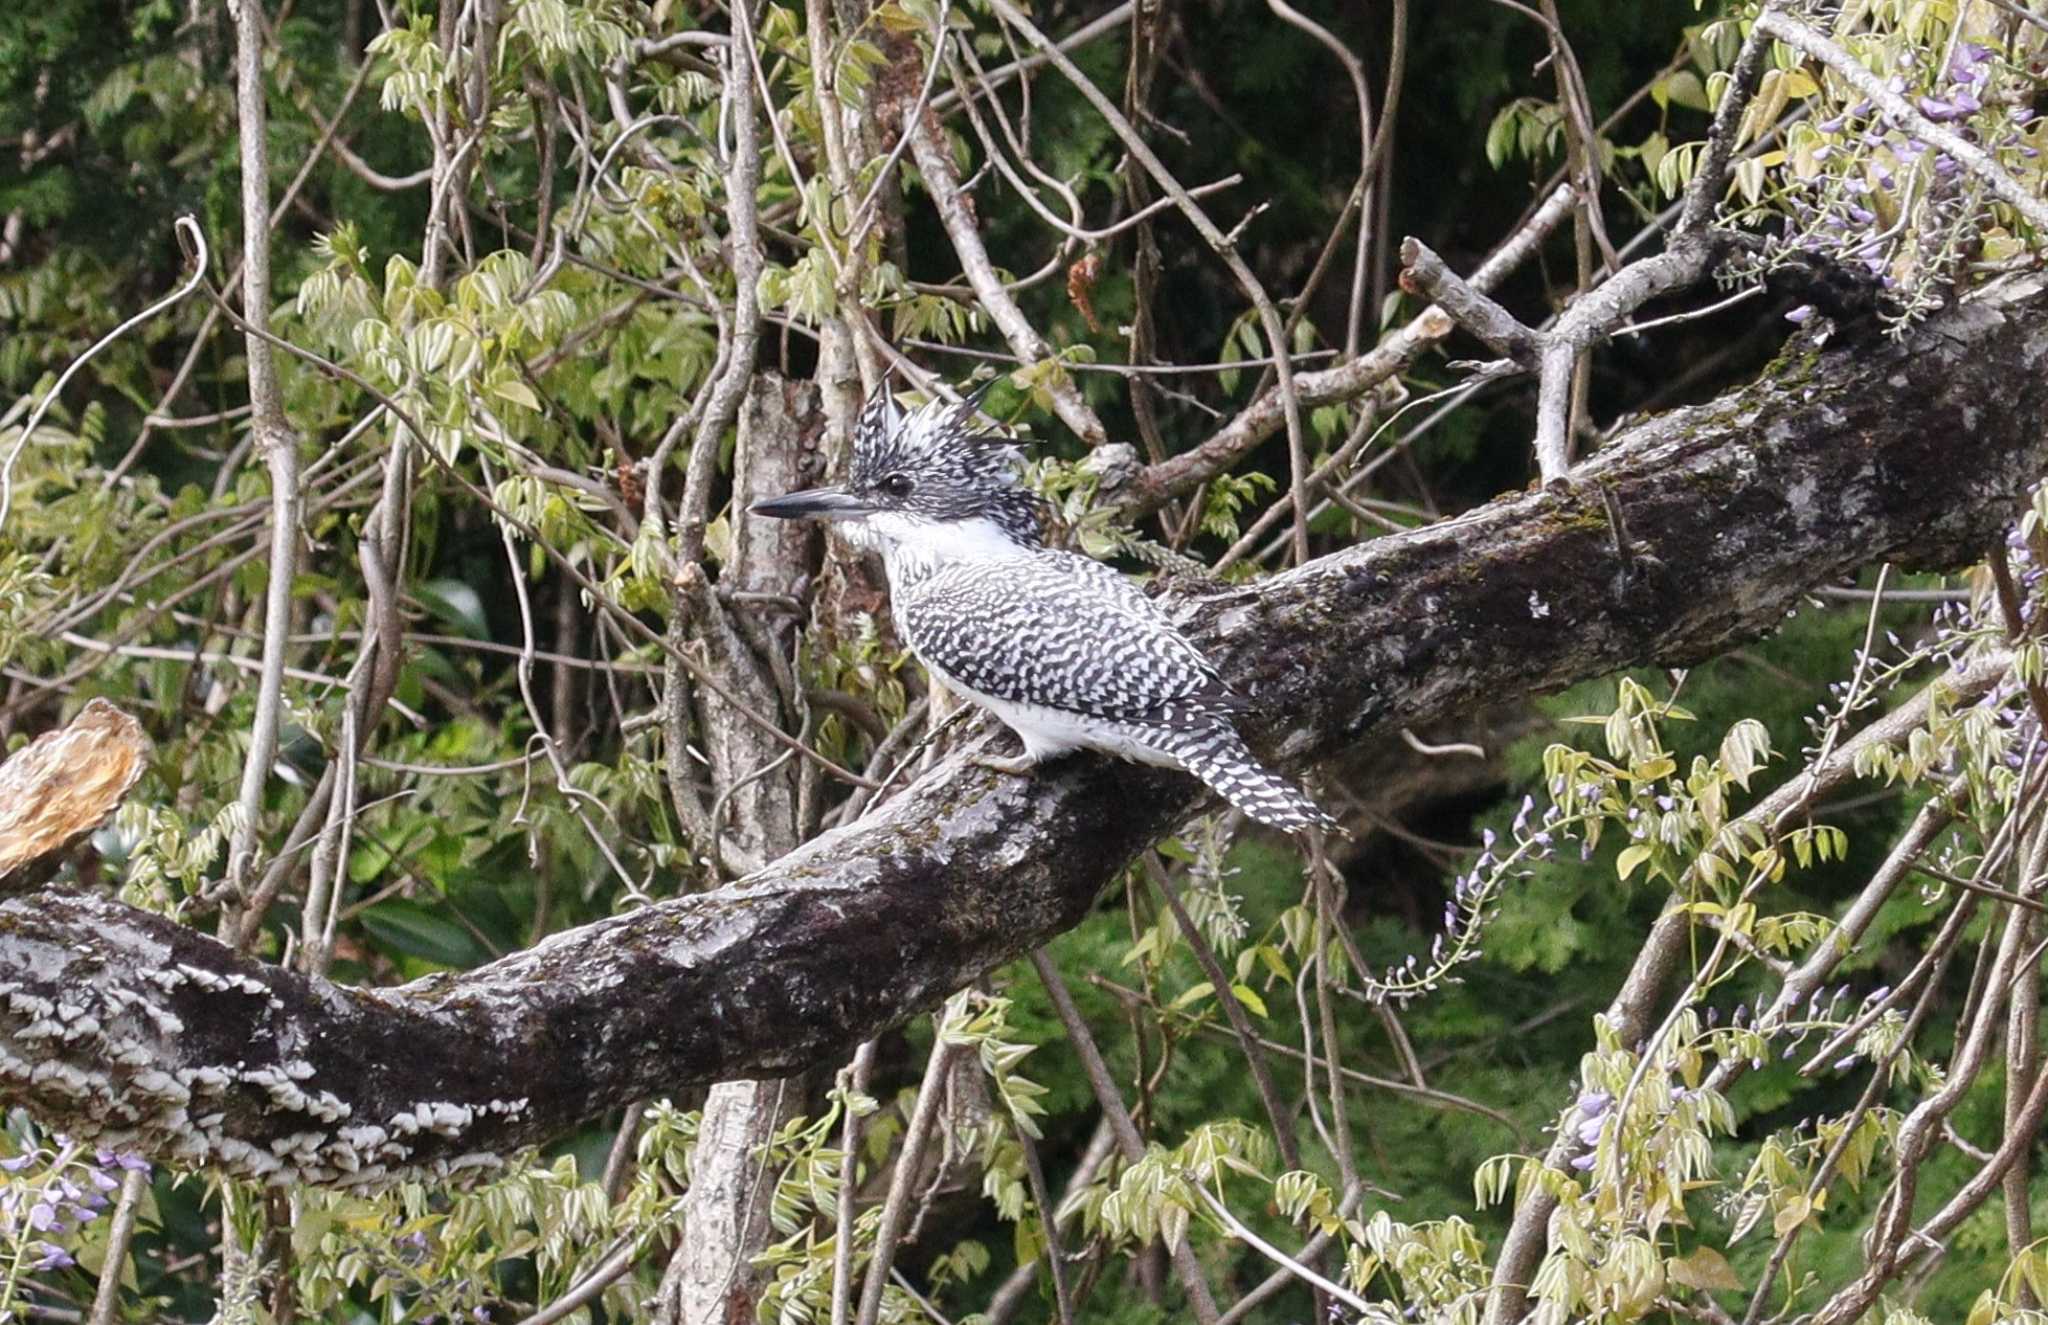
[935,462]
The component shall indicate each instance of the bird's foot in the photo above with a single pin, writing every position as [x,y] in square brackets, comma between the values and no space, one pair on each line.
[1015,765]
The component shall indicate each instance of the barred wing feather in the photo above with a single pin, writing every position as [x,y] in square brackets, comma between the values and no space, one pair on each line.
[1066,633]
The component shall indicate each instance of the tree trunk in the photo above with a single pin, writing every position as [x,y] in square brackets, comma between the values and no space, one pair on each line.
[712,1280]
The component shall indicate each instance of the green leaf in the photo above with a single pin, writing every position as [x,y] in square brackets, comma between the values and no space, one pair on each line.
[1791,1215]
[410,928]
[456,605]
[1680,89]
[518,392]
[1704,1269]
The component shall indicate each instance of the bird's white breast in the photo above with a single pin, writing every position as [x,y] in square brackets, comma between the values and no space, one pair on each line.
[908,540]
[1047,732]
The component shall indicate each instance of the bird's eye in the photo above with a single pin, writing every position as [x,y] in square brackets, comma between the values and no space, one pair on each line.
[896,485]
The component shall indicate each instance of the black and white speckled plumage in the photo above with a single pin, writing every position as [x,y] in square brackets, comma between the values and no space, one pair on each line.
[1066,651]
[961,472]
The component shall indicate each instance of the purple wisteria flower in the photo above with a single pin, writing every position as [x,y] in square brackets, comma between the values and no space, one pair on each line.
[53,1257]
[121,1159]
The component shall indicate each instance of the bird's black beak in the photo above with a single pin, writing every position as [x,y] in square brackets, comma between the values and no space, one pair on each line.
[813,504]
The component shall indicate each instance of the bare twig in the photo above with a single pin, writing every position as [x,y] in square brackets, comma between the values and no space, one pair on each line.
[274,440]
[1095,29]
[742,182]
[956,214]
[1233,1011]
[1238,1230]
[587,1289]
[1501,330]
[917,1140]
[1284,1275]
[1426,1095]
[1055,1258]
[856,1079]
[1070,226]
[1221,244]
[1200,1301]
[193,240]
[106,1301]
[1010,1297]
[1370,148]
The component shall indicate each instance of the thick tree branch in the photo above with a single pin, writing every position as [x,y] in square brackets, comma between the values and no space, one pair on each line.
[128,1029]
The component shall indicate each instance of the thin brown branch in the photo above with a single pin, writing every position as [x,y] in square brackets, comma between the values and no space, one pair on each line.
[855,1080]
[1221,244]
[1220,984]
[106,1301]
[917,1139]
[275,442]
[1201,1303]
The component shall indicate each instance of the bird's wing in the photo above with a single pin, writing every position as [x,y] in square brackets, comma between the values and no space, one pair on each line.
[1048,630]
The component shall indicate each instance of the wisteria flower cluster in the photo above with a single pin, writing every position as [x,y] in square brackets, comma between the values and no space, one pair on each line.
[1862,188]
[1475,897]
[1789,1028]
[1999,737]
[48,1195]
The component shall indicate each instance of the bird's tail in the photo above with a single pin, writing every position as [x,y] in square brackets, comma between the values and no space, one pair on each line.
[1219,756]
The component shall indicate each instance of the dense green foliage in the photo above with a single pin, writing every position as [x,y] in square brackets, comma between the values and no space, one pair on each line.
[521,386]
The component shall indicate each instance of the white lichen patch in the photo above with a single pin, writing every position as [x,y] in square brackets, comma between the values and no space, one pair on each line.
[65,1079]
[363,1138]
[167,1023]
[30,1005]
[90,1038]
[206,1078]
[1800,497]
[224,981]
[161,1085]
